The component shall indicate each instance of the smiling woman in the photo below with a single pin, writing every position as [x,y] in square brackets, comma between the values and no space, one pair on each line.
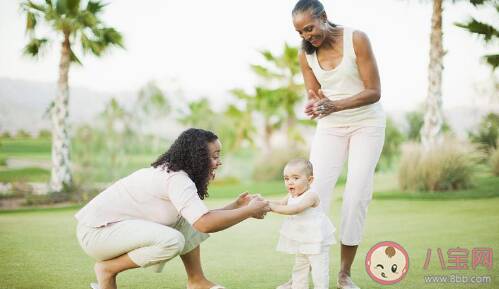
[157,213]
[343,84]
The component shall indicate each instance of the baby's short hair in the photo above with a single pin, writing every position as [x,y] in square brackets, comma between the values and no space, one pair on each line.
[306,165]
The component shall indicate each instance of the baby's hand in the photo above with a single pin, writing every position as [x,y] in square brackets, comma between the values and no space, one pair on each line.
[260,207]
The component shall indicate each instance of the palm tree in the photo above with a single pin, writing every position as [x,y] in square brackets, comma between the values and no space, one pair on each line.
[240,123]
[268,104]
[73,21]
[487,31]
[433,118]
[282,73]
[199,114]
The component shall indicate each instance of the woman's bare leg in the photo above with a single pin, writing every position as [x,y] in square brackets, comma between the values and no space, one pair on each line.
[106,271]
[347,257]
[195,275]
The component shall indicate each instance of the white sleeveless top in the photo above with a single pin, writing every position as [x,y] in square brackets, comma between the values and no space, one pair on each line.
[307,232]
[344,81]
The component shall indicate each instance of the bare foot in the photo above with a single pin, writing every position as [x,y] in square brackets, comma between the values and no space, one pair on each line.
[199,284]
[345,282]
[106,279]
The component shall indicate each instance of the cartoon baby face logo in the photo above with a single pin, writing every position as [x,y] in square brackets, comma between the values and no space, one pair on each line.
[387,263]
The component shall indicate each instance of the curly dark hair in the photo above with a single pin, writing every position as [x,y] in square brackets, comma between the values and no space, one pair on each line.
[189,152]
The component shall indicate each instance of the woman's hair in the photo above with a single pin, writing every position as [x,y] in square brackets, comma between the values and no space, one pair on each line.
[189,152]
[316,9]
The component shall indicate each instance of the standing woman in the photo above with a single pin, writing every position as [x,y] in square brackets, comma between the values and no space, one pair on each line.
[342,80]
[157,213]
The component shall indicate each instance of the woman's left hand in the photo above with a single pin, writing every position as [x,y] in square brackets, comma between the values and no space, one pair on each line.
[319,106]
[243,199]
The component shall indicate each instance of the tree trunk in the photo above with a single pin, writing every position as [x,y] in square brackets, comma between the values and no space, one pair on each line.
[433,119]
[267,137]
[61,169]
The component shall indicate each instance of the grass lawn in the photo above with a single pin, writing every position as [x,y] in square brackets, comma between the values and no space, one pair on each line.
[26,148]
[38,248]
[24,175]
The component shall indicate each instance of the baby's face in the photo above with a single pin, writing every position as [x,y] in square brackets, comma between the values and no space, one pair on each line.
[296,180]
[388,263]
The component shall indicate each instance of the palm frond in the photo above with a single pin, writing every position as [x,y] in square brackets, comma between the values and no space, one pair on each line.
[265,72]
[30,22]
[478,2]
[268,55]
[68,7]
[91,45]
[239,93]
[34,46]
[492,60]
[95,7]
[33,7]
[87,19]
[474,26]
[73,57]
[109,36]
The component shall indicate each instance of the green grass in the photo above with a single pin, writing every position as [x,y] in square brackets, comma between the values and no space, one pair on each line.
[38,248]
[485,185]
[24,175]
[26,148]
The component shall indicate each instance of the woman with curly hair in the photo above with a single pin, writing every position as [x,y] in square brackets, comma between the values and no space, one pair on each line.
[157,213]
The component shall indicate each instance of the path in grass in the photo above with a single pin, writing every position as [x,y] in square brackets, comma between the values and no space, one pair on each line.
[39,250]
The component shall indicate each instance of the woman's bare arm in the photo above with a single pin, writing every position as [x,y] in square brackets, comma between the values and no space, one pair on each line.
[217,220]
[369,75]
[311,83]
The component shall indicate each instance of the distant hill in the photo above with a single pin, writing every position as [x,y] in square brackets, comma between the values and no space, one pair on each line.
[23,104]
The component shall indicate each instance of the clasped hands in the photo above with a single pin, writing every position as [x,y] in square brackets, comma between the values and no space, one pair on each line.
[258,204]
[319,105]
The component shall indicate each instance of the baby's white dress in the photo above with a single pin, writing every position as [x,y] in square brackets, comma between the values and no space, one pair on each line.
[308,232]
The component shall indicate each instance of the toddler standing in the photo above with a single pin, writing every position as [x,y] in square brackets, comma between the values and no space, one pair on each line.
[307,232]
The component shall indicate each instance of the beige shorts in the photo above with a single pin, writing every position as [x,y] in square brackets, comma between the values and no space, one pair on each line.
[148,244]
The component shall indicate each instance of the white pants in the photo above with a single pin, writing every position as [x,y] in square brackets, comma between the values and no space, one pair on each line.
[148,244]
[362,147]
[319,263]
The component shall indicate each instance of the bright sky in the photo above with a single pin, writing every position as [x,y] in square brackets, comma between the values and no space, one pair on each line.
[206,47]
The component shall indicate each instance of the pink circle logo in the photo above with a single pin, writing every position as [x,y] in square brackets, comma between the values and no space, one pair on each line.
[387,263]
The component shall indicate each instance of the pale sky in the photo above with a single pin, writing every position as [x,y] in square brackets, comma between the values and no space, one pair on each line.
[206,47]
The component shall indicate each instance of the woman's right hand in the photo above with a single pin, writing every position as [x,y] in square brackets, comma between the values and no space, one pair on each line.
[313,98]
[259,207]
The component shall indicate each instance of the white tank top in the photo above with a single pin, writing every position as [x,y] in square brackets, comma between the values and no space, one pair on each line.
[344,81]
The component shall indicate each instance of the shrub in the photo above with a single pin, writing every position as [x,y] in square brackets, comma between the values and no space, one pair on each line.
[391,148]
[23,134]
[415,122]
[47,199]
[269,167]
[3,161]
[494,160]
[447,166]
[487,133]
[45,133]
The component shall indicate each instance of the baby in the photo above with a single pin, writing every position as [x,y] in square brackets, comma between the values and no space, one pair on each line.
[307,232]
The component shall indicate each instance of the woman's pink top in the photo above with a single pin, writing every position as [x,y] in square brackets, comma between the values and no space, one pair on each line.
[148,194]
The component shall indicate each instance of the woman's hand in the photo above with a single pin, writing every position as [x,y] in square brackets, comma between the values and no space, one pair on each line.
[319,105]
[243,199]
[259,206]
